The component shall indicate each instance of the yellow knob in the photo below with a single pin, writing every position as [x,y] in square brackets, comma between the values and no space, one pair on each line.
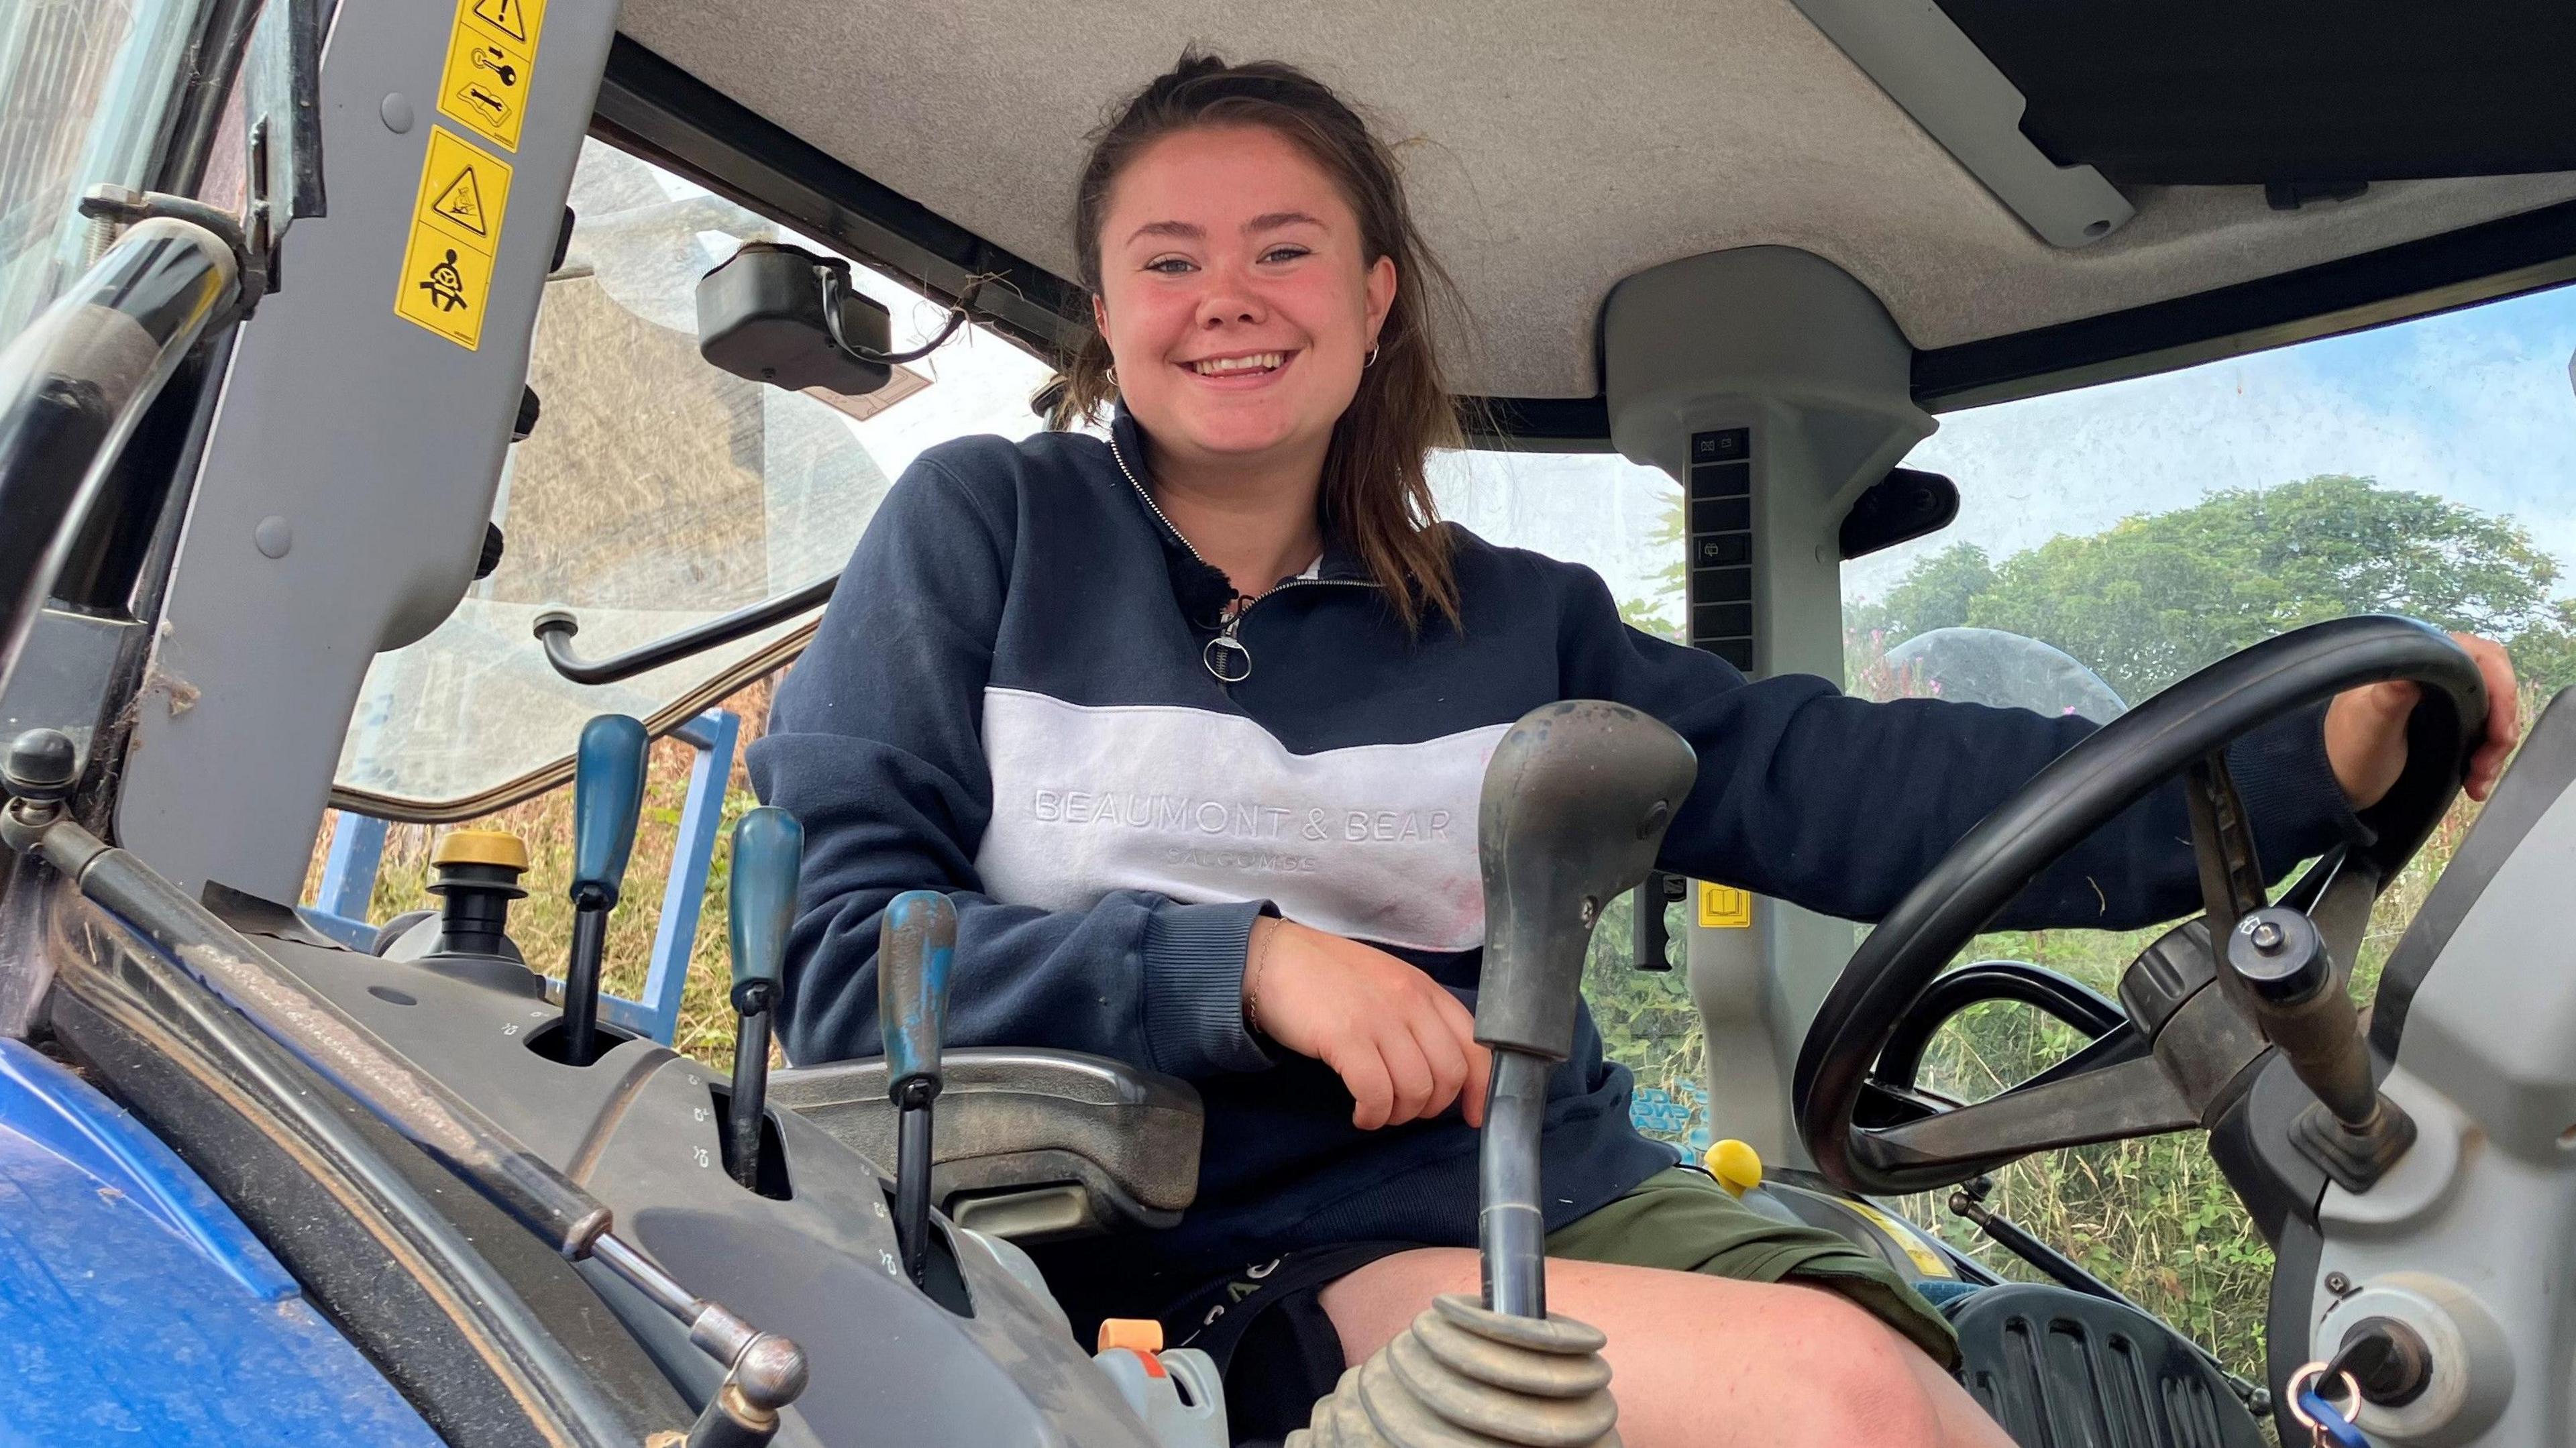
[1737,1167]
[480,847]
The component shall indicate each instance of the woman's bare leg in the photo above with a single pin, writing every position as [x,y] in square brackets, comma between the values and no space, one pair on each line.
[1707,1362]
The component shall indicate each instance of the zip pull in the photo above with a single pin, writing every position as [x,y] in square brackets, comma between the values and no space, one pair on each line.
[1225,655]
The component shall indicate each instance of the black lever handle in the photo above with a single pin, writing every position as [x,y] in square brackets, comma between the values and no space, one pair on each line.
[1649,943]
[916,944]
[2290,986]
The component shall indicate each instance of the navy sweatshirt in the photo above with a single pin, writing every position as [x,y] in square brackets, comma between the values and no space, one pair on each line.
[1007,701]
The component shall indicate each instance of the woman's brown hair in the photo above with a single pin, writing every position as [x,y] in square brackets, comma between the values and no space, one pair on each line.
[1376,499]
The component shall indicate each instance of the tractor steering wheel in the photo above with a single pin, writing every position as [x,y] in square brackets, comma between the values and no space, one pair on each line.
[2170,1065]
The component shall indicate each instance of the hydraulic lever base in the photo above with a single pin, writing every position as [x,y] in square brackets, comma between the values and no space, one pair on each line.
[912,1177]
[750,1100]
[2356,1159]
[1466,1377]
[581,984]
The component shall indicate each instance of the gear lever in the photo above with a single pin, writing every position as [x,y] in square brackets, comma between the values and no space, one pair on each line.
[916,943]
[768,851]
[1575,803]
[607,794]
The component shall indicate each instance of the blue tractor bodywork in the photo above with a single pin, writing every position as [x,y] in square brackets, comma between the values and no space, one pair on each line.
[139,1309]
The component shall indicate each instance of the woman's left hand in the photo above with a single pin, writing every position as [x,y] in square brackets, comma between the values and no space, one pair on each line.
[2366,729]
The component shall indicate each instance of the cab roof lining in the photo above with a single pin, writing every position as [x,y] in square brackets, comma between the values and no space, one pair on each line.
[1551,149]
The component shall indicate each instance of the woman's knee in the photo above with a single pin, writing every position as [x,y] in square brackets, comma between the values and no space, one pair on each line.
[1867,1382]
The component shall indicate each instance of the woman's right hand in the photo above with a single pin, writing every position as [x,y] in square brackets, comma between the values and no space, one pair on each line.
[1403,1045]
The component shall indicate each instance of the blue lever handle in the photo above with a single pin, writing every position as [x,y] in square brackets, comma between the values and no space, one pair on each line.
[607,794]
[916,944]
[768,850]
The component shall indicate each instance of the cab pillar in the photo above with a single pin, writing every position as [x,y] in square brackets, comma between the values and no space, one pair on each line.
[1775,389]
[339,507]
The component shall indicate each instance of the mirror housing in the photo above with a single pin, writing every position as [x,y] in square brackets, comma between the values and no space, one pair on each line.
[784,315]
[1901,507]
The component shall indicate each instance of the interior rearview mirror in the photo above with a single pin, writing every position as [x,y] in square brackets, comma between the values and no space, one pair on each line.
[784,315]
[1902,506]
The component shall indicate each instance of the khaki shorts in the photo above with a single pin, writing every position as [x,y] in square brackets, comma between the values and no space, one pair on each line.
[1684,1221]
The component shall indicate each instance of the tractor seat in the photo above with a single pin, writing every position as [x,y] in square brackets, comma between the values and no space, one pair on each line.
[1032,1145]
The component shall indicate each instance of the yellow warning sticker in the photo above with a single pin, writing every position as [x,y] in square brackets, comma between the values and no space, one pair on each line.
[1722,907]
[518,19]
[491,57]
[445,286]
[455,229]
[463,191]
[1908,1237]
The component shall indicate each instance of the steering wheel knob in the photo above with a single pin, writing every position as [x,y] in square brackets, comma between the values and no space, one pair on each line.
[2280,955]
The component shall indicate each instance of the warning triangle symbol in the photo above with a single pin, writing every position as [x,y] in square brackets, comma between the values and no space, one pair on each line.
[462,203]
[503,15]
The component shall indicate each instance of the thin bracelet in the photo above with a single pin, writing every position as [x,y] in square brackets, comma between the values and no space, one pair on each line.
[1252,986]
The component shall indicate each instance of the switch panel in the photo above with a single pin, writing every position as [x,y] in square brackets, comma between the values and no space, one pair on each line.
[1721,544]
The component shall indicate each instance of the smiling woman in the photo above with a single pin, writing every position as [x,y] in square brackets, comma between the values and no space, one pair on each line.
[1271,332]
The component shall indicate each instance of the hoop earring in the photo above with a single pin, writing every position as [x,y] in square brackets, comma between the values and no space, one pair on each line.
[1112,374]
[1369,361]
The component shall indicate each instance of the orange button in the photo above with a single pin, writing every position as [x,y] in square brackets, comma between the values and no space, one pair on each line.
[1143,1334]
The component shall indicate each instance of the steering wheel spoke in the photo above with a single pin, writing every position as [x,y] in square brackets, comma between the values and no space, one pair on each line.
[2222,840]
[2336,894]
[2112,1103]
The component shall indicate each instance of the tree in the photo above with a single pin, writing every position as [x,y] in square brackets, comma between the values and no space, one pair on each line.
[2157,596]
[1934,594]
[1660,612]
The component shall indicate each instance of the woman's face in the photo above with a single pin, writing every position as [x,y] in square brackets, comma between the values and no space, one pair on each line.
[1235,296]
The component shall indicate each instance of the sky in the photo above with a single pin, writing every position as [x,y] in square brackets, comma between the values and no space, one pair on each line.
[2475,406]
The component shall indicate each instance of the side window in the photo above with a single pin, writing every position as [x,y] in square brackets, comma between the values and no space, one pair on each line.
[654,493]
[2113,540]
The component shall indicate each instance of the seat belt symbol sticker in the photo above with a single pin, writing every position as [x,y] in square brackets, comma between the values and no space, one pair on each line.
[445,284]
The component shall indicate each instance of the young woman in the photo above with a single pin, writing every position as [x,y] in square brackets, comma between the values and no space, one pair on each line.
[1190,722]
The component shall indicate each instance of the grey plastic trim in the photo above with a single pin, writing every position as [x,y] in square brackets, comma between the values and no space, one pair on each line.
[2543,771]
[1930,68]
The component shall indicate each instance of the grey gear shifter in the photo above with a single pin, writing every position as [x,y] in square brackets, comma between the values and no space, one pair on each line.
[1575,804]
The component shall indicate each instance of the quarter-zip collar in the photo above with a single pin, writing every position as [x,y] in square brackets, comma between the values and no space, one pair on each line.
[1206,595]
[1127,450]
